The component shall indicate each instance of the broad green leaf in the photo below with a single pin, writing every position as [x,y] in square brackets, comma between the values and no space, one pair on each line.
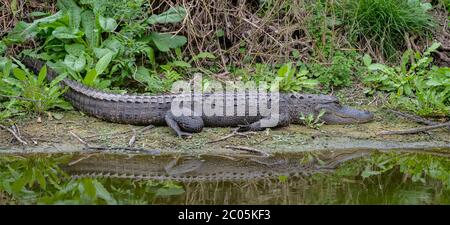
[88,188]
[42,74]
[164,42]
[3,47]
[7,68]
[142,75]
[151,56]
[169,191]
[203,55]
[23,31]
[367,60]
[90,29]
[90,77]
[432,48]
[103,63]
[100,52]
[66,33]
[377,66]
[103,193]
[181,64]
[73,10]
[76,64]
[107,24]
[173,15]
[19,74]
[114,45]
[75,49]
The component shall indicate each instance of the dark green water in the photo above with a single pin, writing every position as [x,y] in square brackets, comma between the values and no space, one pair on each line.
[371,178]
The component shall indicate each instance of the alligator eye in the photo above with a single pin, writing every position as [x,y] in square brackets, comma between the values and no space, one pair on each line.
[293,96]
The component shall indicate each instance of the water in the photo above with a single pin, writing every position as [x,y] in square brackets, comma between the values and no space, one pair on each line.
[329,177]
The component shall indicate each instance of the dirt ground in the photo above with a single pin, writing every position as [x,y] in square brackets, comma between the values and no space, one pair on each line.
[57,136]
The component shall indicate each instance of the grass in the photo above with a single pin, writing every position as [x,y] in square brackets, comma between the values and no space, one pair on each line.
[382,24]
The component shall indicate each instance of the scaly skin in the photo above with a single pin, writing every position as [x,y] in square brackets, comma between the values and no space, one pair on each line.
[156,110]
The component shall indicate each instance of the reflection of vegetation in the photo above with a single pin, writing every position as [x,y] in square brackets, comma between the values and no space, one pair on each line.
[39,179]
[418,167]
[404,178]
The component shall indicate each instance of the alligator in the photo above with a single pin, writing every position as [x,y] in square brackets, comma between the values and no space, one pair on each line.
[187,168]
[156,109]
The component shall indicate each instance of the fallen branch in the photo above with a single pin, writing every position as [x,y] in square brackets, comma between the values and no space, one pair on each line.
[248,149]
[101,148]
[415,130]
[232,134]
[415,118]
[137,132]
[16,135]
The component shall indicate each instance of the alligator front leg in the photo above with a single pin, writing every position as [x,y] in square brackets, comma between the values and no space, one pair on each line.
[184,126]
[267,122]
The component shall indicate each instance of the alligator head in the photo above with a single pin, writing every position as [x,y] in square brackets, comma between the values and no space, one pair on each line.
[334,112]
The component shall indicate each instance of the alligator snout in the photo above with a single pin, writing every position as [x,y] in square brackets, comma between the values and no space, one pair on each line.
[346,115]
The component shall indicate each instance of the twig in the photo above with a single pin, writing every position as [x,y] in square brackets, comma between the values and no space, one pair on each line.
[132,139]
[14,134]
[248,149]
[101,148]
[232,134]
[79,139]
[137,132]
[415,118]
[415,130]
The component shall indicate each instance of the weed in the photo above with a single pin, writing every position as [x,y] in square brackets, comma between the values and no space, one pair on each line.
[417,86]
[312,121]
[22,90]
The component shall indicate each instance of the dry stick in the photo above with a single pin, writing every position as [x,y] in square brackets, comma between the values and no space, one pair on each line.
[87,146]
[415,118]
[14,134]
[415,130]
[248,149]
[232,134]
[136,132]
[79,139]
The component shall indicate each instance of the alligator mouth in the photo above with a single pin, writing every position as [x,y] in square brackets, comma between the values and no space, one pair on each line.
[346,115]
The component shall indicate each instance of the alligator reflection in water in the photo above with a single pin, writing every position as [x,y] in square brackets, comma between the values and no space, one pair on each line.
[306,178]
[209,167]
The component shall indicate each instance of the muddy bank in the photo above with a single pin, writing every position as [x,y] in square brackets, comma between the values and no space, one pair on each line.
[54,135]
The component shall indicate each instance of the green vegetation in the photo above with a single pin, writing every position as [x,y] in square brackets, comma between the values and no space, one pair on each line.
[39,179]
[99,50]
[383,24]
[23,91]
[415,85]
[119,46]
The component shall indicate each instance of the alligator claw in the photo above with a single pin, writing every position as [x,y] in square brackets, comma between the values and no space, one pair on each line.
[243,128]
[184,135]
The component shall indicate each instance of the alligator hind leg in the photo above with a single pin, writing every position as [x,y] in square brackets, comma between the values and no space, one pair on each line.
[184,126]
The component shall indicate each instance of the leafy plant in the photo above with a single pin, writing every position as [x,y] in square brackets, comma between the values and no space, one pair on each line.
[286,78]
[343,66]
[22,90]
[312,121]
[417,86]
[97,46]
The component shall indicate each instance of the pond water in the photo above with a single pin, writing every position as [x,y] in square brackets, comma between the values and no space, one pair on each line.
[351,176]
